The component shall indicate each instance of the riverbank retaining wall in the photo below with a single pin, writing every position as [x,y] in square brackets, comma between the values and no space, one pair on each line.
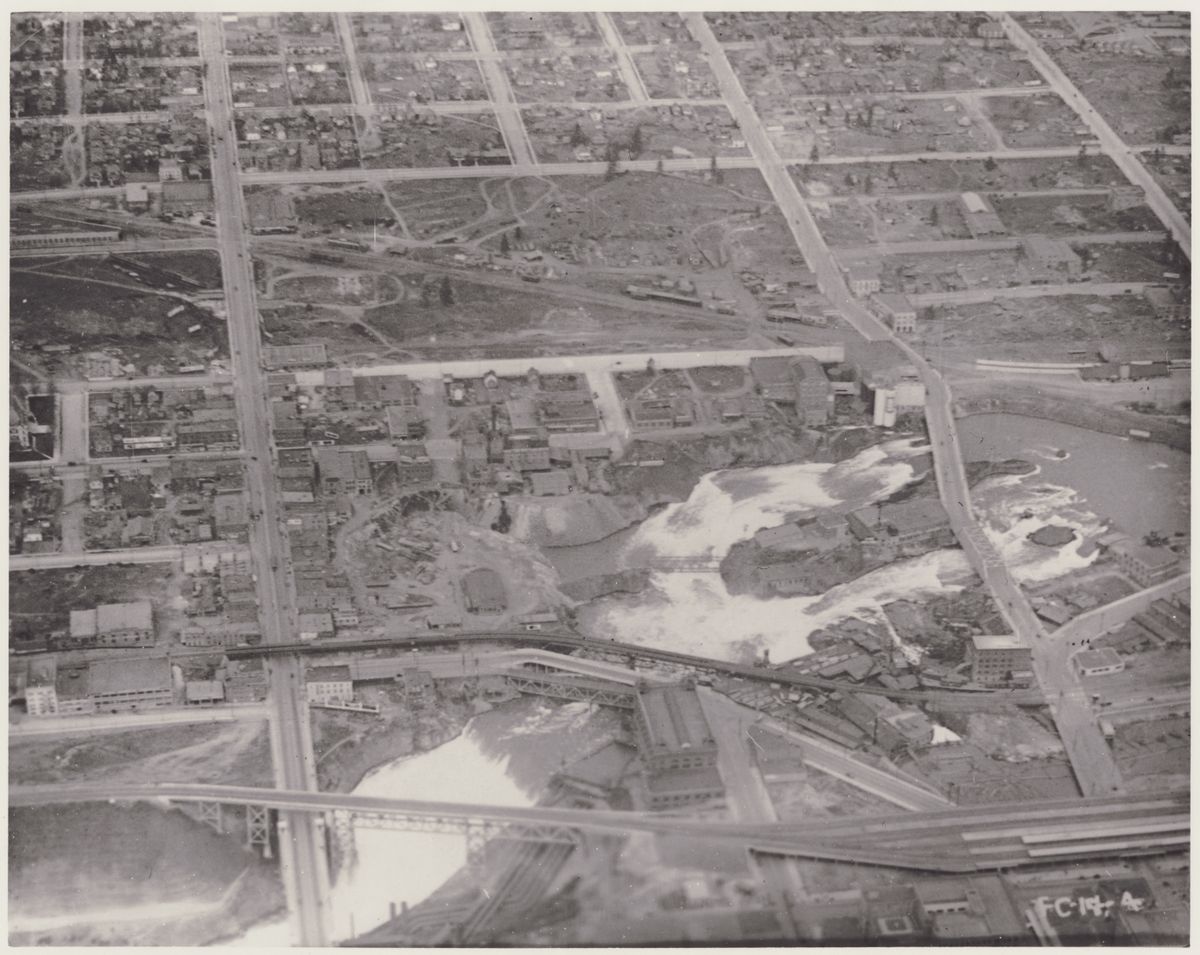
[1106,420]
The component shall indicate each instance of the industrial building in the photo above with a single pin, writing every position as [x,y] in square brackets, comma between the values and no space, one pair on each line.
[980,217]
[111,625]
[676,747]
[1145,565]
[916,523]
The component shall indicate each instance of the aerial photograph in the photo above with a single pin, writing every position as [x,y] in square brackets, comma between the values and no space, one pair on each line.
[590,479]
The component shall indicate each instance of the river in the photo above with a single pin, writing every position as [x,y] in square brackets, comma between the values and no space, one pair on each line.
[1138,486]
[695,613]
[504,757]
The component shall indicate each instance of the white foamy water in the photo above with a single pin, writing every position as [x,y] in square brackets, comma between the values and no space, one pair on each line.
[394,867]
[728,506]
[695,613]
[1014,506]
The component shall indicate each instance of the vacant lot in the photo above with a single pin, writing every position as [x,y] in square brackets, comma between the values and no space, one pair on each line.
[1136,263]
[354,288]
[1145,100]
[1071,215]
[1001,175]
[420,140]
[42,600]
[59,305]
[1042,120]
[485,321]
[864,220]
[438,207]
[645,219]
[1029,327]
[350,208]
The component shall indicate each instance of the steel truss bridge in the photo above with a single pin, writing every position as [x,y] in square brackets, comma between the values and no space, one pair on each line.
[963,839]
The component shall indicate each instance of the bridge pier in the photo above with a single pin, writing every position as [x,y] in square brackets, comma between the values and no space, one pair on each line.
[477,842]
[258,828]
[210,815]
[342,824]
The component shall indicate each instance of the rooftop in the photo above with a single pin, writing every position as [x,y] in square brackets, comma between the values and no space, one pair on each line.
[1153,558]
[330,674]
[1104,657]
[1005,641]
[108,677]
[674,719]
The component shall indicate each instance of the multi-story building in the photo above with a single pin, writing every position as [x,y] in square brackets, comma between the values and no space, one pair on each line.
[111,625]
[999,660]
[344,471]
[814,394]
[677,747]
[899,311]
[40,696]
[527,455]
[863,278]
[920,522]
[1146,565]
[330,684]
[117,685]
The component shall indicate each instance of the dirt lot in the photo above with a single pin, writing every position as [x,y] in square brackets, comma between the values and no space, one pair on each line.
[1015,328]
[79,875]
[233,753]
[350,208]
[42,600]
[1070,215]
[1132,93]
[1155,748]
[436,207]
[865,220]
[1026,121]
[1174,174]
[645,219]
[354,288]
[61,304]
[425,140]
[958,176]
[1136,263]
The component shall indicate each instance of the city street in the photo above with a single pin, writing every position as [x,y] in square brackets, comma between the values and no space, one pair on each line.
[302,845]
[1124,157]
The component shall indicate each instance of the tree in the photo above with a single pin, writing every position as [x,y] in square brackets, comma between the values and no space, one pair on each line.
[651,368]
[1082,158]
[577,137]
[635,141]
[445,291]
[518,233]
[815,154]
[504,243]
[989,164]
[892,171]
[849,180]
[868,185]
[717,175]
[934,218]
